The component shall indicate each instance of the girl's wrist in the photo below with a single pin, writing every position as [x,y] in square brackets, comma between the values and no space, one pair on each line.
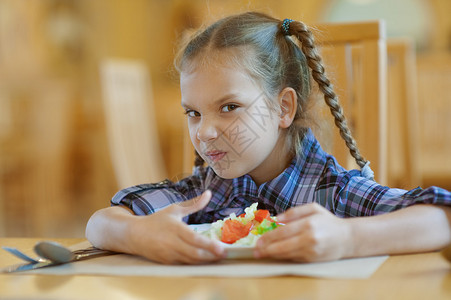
[365,237]
[131,234]
[350,237]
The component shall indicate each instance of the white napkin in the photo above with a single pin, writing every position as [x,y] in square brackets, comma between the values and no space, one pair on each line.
[128,265]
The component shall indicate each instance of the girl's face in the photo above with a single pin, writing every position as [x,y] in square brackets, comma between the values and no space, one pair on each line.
[230,124]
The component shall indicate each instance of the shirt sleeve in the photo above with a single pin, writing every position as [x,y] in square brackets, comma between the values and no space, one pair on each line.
[348,194]
[145,199]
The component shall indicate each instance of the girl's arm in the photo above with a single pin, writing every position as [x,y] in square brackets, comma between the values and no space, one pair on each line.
[161,236]
[312,233]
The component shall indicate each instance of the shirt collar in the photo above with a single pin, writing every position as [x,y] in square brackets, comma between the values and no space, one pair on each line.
[245,186]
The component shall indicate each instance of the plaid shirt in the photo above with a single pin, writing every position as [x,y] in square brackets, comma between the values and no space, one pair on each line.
[312,176]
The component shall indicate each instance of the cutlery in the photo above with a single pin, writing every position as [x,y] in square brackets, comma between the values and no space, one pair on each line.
[21,255]
[51,254]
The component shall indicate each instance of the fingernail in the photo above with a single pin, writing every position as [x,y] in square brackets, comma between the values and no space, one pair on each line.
[209,255]
[222,254]
[220,251]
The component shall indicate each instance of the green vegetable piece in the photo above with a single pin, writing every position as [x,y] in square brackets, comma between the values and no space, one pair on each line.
[266,226]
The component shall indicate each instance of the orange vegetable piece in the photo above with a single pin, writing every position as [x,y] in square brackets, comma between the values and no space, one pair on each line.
[233,230]
[262,214]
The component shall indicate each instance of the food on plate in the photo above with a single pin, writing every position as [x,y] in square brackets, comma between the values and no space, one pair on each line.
[245,229]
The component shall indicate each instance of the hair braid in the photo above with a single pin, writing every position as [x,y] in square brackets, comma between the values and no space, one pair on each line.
[305,36]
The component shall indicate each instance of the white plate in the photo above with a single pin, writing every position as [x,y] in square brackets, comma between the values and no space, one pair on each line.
[239,252]
[233,251]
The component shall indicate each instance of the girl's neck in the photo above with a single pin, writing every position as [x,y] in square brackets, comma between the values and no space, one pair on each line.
[277,161]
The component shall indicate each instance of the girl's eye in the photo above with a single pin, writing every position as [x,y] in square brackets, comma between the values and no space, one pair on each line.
[229,107]
[192,113]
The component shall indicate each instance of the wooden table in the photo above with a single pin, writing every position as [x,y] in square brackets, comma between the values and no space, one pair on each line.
[418,276]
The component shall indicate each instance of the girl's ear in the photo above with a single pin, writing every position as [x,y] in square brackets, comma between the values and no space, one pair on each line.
[288,104]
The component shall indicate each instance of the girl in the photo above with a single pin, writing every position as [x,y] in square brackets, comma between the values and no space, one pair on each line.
[245,85]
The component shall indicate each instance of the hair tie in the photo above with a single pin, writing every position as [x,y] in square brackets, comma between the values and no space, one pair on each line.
[286,26]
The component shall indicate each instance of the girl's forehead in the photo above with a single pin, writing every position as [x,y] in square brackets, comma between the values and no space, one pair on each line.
[219,71]
[232,57]
[211,82]
[224,62]
[215,72]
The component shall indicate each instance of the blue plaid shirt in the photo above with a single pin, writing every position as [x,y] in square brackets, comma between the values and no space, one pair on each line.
[312,176]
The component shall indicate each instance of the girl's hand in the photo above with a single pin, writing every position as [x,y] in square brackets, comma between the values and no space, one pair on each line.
[311,234]
[163,236]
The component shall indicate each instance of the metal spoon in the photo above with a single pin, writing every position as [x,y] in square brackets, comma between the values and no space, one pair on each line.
[58,254]
[53,252]
[47,251]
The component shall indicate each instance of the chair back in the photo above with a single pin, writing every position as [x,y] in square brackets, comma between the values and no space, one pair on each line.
[434,102]
[403,115]
[131,123]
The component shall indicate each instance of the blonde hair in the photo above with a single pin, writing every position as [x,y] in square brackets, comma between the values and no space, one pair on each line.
[276,60]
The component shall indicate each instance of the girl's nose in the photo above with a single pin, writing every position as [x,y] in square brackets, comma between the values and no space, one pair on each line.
[206,131]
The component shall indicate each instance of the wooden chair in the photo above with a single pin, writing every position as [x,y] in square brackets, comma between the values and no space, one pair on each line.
[130,121]
[403,115]
[434,101]
[355,58]
[356,63]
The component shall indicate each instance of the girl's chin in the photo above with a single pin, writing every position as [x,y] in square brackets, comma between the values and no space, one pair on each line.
[228,174]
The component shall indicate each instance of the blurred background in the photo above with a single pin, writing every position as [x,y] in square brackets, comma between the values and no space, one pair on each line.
[56,56]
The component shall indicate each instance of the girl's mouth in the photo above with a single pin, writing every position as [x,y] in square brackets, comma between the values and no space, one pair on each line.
[215,156]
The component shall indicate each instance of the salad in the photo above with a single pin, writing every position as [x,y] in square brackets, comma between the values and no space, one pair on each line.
[243,230]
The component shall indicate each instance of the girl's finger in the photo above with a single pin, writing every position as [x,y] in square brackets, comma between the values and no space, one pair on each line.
[191,206]
[200,242]
[190,254]
[177,251]
[282,233]
[193,255]
[168,256]
[298,212]
[291,248]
